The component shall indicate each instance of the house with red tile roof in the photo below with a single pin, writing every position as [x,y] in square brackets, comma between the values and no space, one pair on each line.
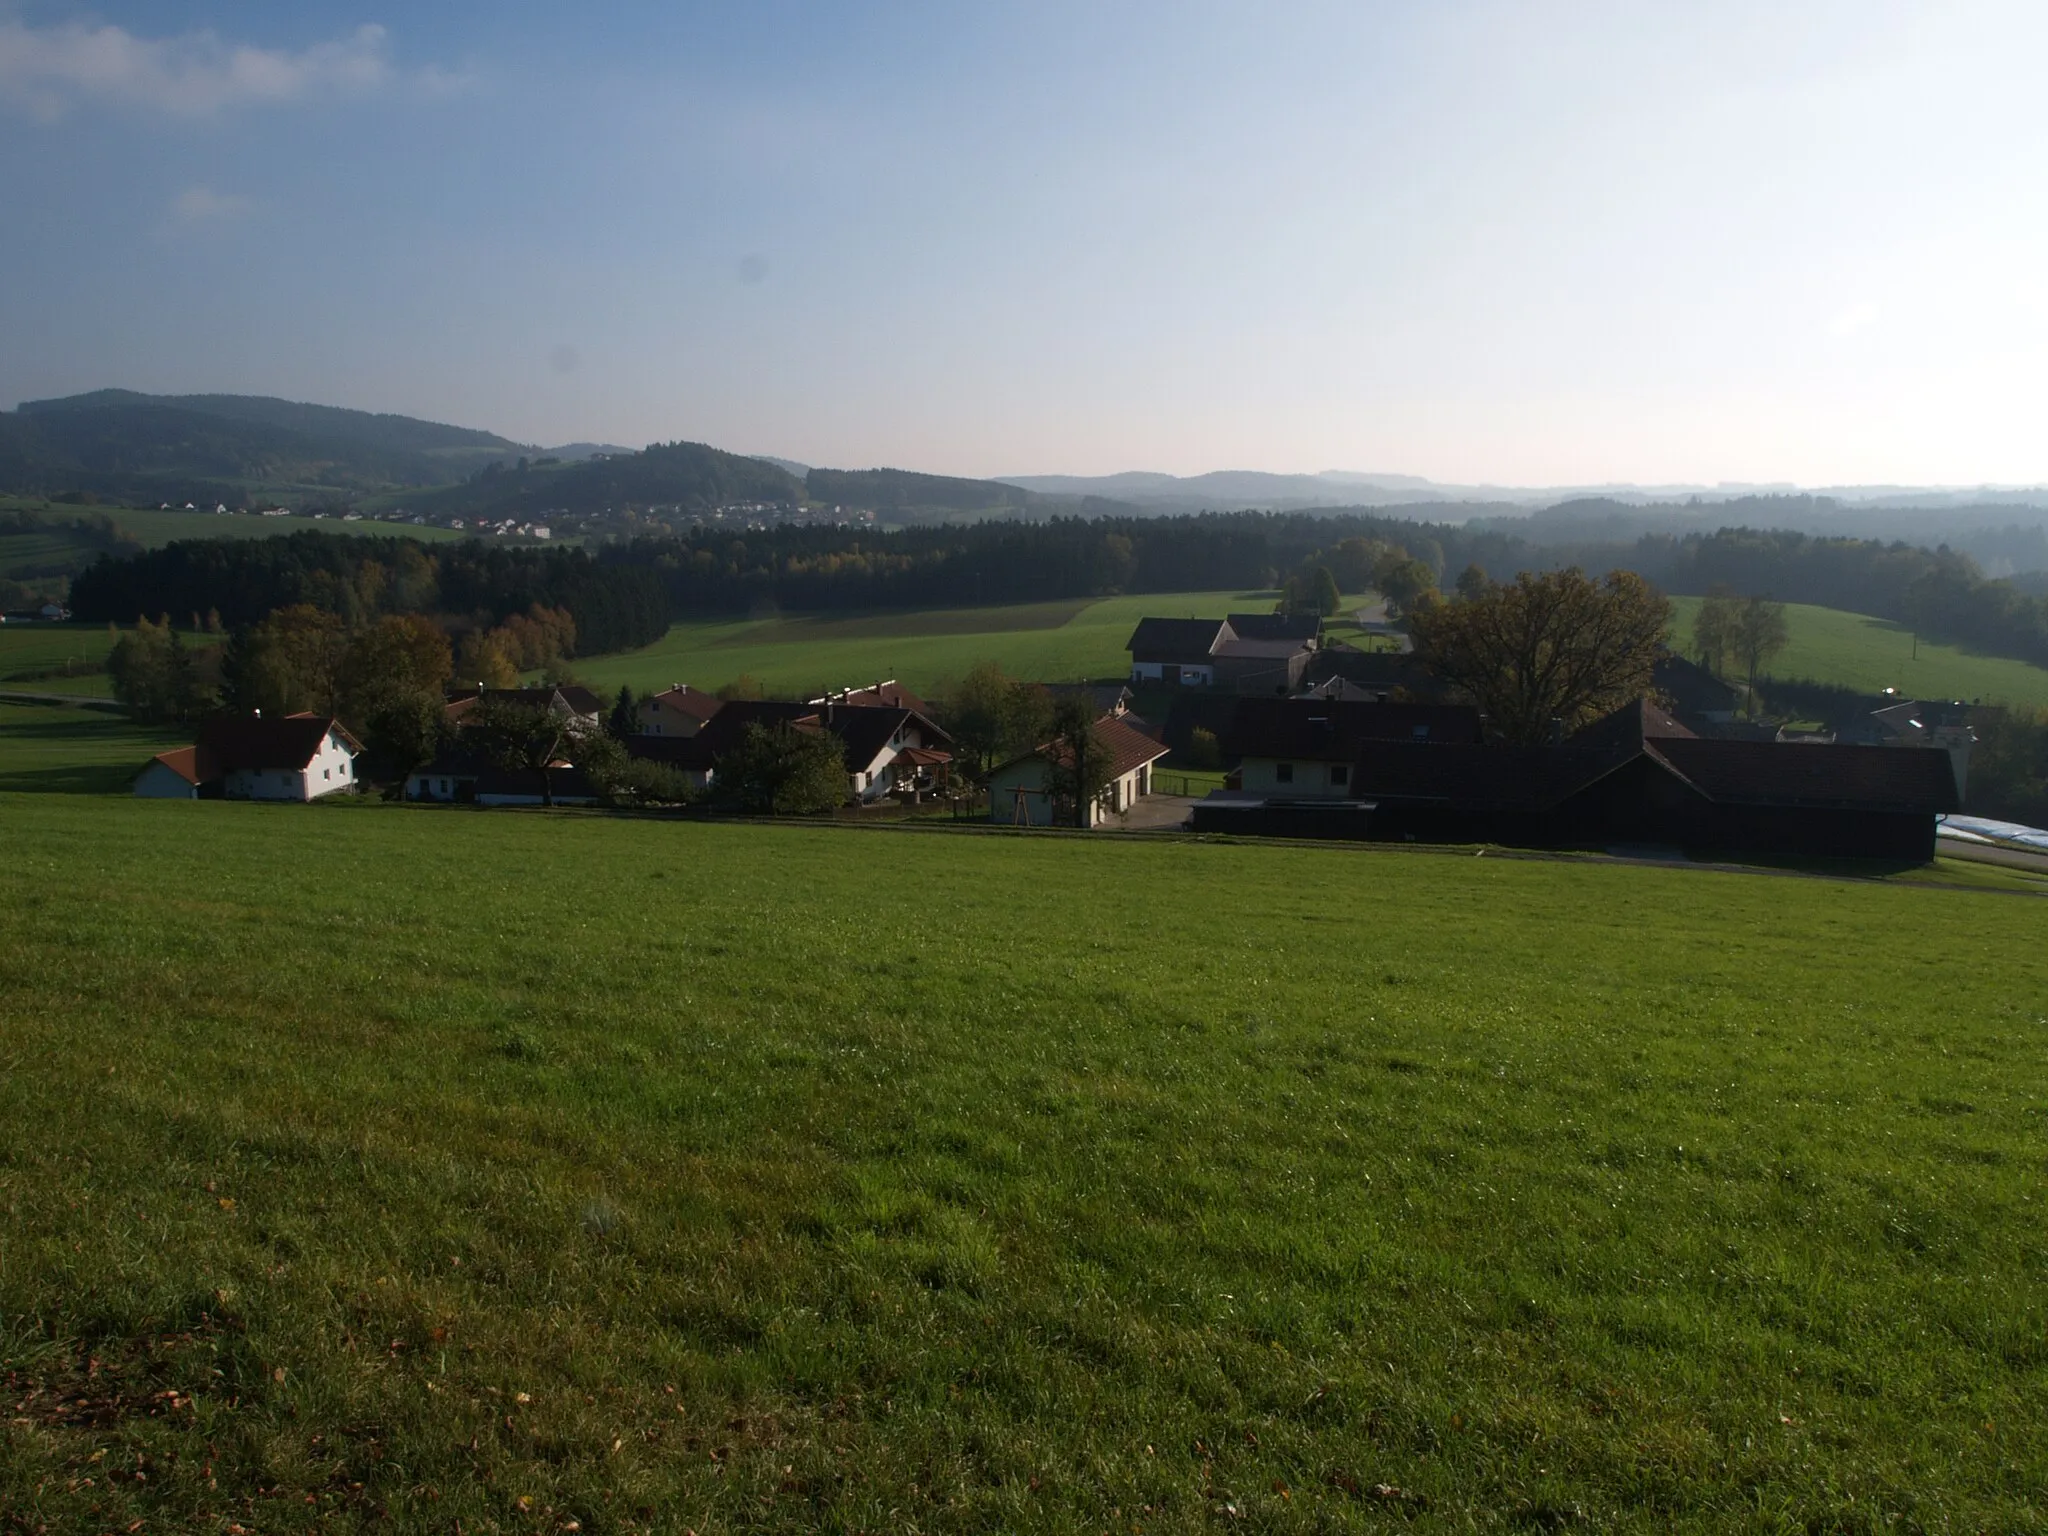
[246,757]
[1020,791]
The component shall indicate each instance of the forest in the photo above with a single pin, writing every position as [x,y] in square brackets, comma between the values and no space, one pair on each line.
[615,605]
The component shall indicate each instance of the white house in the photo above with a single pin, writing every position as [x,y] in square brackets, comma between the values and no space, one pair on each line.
[1020,794]
[246,757]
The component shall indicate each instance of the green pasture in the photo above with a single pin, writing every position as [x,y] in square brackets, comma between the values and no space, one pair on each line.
[437,1169]
[1858,651]
[33,659]
[75,751]
[1047,642]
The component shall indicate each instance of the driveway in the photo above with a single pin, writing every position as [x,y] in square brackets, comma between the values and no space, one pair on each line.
[1155,813]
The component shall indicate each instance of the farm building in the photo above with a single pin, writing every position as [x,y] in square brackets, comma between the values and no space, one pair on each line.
[1246,652]
[1020,791]
[246,757]
[1636,778]
[1307,748]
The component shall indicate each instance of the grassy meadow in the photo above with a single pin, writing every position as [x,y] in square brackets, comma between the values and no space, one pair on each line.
[1048,642]
[36,658]
[154,529]
[515,1172]
[1858,651]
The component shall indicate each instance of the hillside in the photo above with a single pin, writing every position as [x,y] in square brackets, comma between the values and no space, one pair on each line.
[688,477]
[208,448]
[713,1178]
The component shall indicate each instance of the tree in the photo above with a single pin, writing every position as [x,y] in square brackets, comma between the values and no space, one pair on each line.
[993,717]
[780,770]
[486,662]
[154,675]
[1403,584]
[1312,589]
[1713,628]
[289,662]
[1760,633]
[1549,651]
[1473,581]
[625,716]
[520,738]
[1204,750]
[1080,761]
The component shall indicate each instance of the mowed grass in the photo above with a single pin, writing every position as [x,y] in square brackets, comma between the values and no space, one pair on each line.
[32,654]
[1858,651]
[154,529]
[53,749]
[508,1171]
[924,649]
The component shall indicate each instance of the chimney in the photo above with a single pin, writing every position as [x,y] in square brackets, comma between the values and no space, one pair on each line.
[257,713]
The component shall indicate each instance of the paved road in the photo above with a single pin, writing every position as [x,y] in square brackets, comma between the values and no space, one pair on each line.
[1987,853]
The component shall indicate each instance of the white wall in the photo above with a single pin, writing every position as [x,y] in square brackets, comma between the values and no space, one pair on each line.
[156,782]
[1311,779]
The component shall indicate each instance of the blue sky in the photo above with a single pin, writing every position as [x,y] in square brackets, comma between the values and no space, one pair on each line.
[1529,243]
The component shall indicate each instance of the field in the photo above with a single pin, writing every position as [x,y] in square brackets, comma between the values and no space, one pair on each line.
[1857,651]
[1047,642]
[33,656]
[506,1171]
[75,751]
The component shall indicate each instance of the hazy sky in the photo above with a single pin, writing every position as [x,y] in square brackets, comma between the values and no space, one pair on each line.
[1524,242]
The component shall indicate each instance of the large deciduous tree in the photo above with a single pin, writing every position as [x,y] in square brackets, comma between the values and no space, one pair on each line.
[783,771]
[289,662]
[1760,633]
[993,717]
[155,675]
[1547,652]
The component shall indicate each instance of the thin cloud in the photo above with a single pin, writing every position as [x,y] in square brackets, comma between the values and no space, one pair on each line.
[1855,319]
[203,205]
[46,71]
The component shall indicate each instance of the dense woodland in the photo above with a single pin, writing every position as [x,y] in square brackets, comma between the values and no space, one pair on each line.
[615,605]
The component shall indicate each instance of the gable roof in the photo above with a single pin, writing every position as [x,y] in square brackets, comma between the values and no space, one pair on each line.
[230,742]
[865,729]
[572,697]
[185,763]
[1630,726]
[685,700]
[1176,637]
[888,694]
[1798,774]
[1333,729]
[1129,749]
[1276,626]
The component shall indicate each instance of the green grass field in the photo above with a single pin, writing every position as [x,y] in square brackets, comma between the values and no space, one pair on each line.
[503,1171]
[32,657]
[1046,642]
[75,751]
[1857,651]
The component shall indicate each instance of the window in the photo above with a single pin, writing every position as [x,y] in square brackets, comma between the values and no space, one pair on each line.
[1421,731]
[326,773]
[1283,773]
[1340,775]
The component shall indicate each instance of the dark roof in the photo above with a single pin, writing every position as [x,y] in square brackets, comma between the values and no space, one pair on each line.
[230,742]
[867,730]
[692,752]
[1479,777]
[1372,669]
[573,697]
[1276,626]
[1175,638]
[1630,726]
[1917,779]
[562,783]
[1760,773]
[1691,688]
[1332,730]
[693,702]
[581,699]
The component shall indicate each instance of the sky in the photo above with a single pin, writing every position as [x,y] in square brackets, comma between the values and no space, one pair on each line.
[1528,243]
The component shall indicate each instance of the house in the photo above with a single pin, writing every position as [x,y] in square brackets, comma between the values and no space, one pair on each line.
[1922,723]
[1250,653]
[887,694]
[1639,777]
[1692,693]
[1344,671]
[572,701]
[678,710]
[1101,698]
[887,750]
[246,757]
[1020,791]
[1306,748]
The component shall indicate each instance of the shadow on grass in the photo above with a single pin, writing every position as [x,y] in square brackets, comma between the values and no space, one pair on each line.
[71,779]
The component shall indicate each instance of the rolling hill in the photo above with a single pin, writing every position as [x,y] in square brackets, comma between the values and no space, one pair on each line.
[117,443]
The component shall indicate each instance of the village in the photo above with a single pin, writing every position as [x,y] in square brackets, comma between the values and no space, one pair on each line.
[1314,739]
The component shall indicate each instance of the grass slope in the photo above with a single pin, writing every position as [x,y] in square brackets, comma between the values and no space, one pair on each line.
[1049,642]
[506,1171]
[33,656]
[75,751]
[1858,651]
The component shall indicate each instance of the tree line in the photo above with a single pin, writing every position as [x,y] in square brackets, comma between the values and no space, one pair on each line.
[357,579]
